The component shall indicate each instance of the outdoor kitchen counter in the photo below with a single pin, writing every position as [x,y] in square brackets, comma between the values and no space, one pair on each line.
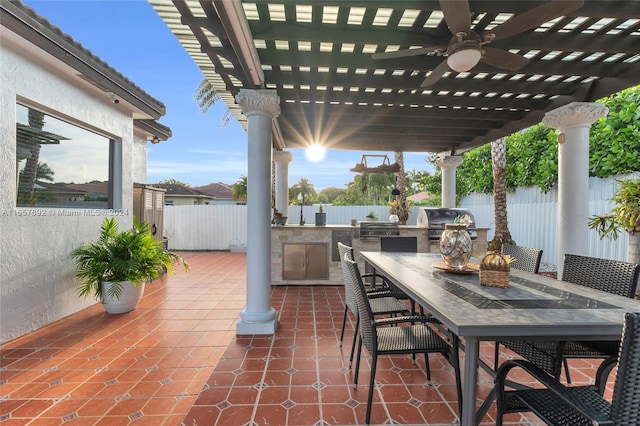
[302,254]
[307,254]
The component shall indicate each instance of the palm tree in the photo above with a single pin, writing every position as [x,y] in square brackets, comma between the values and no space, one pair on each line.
[240,189]
[44,172]
[379,186]
[303,189]
[207,96]
[401,184]
[499,161]
[28,175]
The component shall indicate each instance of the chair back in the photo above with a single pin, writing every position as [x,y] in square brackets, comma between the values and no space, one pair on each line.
[613,276]
[626,389]
[346,252]
[367,331]
[526,258]
[399,244]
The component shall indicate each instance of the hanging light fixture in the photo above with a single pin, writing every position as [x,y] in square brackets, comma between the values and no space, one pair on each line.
[464,51]
[464,59]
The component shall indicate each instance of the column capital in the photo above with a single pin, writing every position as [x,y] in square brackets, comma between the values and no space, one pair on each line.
[280,156]
[575,114]
[259,101]
[449,161]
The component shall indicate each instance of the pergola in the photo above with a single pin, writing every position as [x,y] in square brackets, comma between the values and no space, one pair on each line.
[318,57]
[380,76]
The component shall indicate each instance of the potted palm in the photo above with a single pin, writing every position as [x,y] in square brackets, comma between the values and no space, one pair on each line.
[115,267]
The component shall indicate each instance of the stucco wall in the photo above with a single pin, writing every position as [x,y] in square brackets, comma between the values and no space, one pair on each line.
[36,276]
[139,158]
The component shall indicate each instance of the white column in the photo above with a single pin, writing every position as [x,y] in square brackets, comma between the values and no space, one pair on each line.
[448,164]
[573,122]
[282,160]
[260,107]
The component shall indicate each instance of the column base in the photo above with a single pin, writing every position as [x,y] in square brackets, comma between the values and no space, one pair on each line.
[260,324]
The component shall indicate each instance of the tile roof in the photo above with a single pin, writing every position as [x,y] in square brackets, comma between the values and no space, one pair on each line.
[218,190]
[179,190]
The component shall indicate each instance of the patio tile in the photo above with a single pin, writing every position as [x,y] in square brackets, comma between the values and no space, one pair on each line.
[176,360]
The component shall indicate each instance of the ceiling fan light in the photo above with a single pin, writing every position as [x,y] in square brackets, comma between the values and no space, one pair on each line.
[464,59]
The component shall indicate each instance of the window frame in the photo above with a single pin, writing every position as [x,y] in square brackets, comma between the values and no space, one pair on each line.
[114,166]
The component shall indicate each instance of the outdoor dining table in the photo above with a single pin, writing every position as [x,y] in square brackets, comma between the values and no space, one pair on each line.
[533,306]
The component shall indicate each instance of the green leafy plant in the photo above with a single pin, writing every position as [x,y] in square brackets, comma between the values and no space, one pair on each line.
[400,209]
[117,256]
[626,213]
[464,219]
[372,215]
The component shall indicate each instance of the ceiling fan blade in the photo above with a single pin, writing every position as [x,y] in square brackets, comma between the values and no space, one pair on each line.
[406,52]
[535,17]
[503,59]
[436,74]
[457,15]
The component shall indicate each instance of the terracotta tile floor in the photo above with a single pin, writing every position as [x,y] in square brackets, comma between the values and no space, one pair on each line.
[176,360]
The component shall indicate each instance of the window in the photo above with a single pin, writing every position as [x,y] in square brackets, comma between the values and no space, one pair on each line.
[168,202]
[59,164]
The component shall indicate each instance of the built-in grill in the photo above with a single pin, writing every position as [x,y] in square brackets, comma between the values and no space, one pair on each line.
[373,230]
[434,220]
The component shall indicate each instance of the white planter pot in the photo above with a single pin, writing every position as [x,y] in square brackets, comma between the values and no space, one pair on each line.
[128,300]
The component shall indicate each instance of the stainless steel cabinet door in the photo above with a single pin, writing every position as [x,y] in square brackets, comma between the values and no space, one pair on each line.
[305,261]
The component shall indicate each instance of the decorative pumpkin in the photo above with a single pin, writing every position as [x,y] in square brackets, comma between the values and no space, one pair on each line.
[496,260]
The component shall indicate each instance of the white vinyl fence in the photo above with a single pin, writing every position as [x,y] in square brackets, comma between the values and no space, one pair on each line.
[532,221]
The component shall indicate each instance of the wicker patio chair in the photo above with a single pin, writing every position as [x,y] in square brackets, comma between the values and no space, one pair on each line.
[526,258]
[400,335]
[612,276]
[401,245]
[560,405]
[383,300]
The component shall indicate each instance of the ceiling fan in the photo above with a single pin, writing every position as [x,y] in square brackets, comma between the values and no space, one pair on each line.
[467,47]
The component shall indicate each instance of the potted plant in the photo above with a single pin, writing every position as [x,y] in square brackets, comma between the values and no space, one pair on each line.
[624,216]
[372,215]
[400,210]
[115,267]
[321,217]
[278,218]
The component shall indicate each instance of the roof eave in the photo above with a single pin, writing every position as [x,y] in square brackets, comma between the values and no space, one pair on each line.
[155,131]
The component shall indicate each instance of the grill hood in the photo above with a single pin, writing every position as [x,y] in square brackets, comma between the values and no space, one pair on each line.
[434,219]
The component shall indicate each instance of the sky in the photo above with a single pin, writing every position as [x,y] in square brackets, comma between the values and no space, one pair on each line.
[130,36]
